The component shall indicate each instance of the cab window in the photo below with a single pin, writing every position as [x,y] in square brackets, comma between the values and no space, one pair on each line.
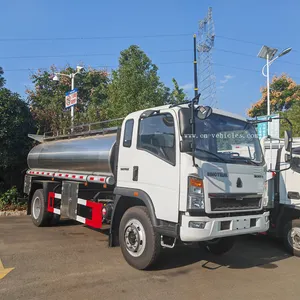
[128,133]
[156,135]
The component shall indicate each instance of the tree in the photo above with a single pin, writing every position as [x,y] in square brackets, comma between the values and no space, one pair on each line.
[177,95]
[293,115]
[284,93]
[47,99]
[2,80]
[15,124]
[135,84]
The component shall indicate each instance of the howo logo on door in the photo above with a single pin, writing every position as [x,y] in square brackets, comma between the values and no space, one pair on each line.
[217,174]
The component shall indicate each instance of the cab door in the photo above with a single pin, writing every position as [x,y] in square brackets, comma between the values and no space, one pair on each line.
[151,163]
[290,190]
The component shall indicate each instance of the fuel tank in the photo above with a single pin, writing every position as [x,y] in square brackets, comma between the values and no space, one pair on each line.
[90,155]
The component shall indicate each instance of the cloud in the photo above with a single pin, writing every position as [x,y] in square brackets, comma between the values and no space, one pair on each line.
[188,86]
[226,78]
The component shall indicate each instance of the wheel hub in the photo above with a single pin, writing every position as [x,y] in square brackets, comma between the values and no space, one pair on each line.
[132,238]
[294,238]
[135,238]
[36,207]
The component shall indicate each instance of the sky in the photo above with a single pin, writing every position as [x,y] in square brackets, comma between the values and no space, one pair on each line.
[39,33]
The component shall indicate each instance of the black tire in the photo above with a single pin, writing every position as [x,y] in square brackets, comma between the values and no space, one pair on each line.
[292,244]
[54,219]
[43,217]
[130,231]
[220,246]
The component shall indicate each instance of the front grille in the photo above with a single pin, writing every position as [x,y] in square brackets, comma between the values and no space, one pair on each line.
[225,214]
[232,204]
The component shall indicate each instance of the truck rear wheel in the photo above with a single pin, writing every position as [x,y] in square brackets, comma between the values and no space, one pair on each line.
[292,237]
[139,242]
[219,246]
[39,214]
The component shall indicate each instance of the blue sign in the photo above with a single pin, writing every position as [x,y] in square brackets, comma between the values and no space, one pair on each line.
[262,128]
[71,98]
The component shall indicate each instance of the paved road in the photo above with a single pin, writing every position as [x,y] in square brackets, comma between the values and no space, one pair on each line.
[73,262]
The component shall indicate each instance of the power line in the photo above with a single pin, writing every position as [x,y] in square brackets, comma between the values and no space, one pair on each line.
[237,68]
[125,37]
[246,69]
[251,55]
[57,56]
[94,37]
[161,63]
[45,69]
[238,40]
[87,54]
[42,39]
[245,41]
[112,54]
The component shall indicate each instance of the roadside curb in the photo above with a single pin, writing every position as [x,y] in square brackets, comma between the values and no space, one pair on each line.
[13,213]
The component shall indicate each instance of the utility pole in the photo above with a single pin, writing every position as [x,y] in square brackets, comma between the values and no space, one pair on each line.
[195,67]
[206,41]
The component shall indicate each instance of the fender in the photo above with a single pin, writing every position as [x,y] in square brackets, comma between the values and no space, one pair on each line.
[117,214]
[138,194]
[165,228]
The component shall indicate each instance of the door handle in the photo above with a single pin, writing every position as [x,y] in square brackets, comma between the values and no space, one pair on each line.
[135,173]
[293,195]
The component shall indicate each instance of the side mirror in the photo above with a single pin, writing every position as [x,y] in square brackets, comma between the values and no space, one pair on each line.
[203,112]
[186,145]
[288,140]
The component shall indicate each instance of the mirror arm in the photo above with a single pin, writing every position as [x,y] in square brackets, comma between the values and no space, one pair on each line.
[192,122]
[278,171]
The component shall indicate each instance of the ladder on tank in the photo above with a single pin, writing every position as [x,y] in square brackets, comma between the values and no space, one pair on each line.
[80,131]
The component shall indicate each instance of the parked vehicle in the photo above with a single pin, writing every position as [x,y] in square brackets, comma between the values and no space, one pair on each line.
[283,161]
[162,176]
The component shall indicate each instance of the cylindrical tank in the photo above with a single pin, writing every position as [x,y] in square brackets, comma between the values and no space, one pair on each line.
[94,154]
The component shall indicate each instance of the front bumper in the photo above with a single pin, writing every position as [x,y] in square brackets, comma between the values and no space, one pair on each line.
[214,228]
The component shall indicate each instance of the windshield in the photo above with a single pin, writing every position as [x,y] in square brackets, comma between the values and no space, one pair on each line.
[221,138]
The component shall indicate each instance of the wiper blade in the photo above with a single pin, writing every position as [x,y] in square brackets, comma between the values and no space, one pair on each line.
[178,104]
[245,159]
[211,153]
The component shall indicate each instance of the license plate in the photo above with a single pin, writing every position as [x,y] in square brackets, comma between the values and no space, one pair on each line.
[241,224]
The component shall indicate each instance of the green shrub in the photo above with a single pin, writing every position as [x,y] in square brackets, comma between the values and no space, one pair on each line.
[9,199]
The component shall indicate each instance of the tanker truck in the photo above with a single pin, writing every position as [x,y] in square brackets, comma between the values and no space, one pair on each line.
[165,176]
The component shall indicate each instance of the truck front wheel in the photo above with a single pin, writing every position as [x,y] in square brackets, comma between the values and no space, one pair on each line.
[139,242]
[292,237]
[219,246]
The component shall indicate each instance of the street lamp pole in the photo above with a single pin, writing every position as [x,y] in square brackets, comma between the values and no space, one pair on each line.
[79,69]
[268,86]
[72,87]
[268,54]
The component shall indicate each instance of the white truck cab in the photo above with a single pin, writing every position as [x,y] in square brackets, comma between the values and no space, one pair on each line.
[167,174]
[283,162]
[220,184]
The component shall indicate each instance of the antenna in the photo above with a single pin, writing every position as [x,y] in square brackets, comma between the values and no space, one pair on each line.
[206,76]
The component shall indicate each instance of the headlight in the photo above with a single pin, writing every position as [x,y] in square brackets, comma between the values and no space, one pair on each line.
[195,194]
